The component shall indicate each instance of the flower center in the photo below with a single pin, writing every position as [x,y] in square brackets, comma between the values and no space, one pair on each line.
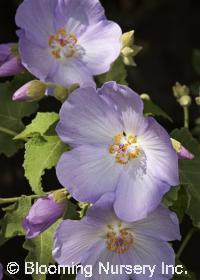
[124,148]
[63,44]
[119,240]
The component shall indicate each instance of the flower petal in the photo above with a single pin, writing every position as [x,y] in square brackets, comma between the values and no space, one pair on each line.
[121,97]
[74,14]
[86,119]
[33,58]
[141,194]
[151,252]
[72,239]
[101,259]
[164,221]
[102,45]
[88,172]
[162,160]
[72,71]
[36,18]
[103,210]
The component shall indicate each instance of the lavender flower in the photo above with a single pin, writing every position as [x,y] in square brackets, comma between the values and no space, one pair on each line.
[44,212]
[101,237]
[67,41]
[116,149]
[10,63]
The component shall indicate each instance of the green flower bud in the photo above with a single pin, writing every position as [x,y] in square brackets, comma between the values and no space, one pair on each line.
[31,91]
[180,90]
[129,50]
[145,96]
[185,101]
[197,99]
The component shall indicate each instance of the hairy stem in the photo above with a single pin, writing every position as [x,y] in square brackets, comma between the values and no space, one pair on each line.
[185,242]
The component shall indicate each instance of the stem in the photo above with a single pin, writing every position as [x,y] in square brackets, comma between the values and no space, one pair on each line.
[8,131]
[185,242]
[15,199]
[186,116]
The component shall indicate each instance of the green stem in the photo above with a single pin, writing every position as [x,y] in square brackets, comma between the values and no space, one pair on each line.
[186,116]
[185,242]
[15,199]
[8,131]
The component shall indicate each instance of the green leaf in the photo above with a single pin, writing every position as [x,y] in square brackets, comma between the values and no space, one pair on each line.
[189,173]
[41,153]
[40,249]
[15,213]
[180,205]
[117,73]
[171,196]
[196,60]
[11,115]
[39,126]
[152,109]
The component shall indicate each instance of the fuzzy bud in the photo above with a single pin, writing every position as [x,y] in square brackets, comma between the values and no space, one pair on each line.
[31,91]
[182,152]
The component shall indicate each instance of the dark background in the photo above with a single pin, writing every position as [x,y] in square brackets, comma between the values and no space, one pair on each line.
[169,31]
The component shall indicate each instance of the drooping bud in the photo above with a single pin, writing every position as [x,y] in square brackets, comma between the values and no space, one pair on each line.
[180,90]
[182,152]
[10,63]
[31,91]
[44,212]
[129,49]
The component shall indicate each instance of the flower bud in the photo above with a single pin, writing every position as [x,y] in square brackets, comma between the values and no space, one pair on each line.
[197,99]
[10,63]
[44,212]
[60,92]
[185,101]
[182,152]
[31,91]
[180,90]
[145,96]
[129,50]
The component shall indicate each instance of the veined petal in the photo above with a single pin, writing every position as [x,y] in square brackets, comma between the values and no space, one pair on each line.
[121,97]
[74,14]
[86,119]
[36,18]
[162,160]
[72,71]
[88,172]
[164,221]
[137,196]
[72,239]
[103,210]
[149,251]
[33,55]
[98,41]
[98,257]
